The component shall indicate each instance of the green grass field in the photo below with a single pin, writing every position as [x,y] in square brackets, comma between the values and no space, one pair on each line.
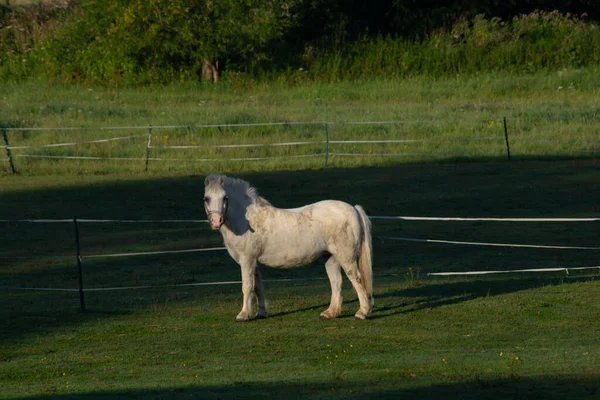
[499,336]
[531,335]
[548,115]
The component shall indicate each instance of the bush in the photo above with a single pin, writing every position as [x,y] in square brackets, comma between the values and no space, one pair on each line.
[531,42]
[161,41]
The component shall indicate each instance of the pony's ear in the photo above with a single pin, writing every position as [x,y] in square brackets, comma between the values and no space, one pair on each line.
[221,181]
[207,180]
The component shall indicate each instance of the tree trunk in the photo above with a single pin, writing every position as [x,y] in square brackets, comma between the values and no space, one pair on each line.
[210,71]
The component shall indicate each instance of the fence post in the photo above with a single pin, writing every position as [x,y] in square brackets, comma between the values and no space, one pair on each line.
[8,152]
[148,147]
[326,144]
[79,269]
[506,138]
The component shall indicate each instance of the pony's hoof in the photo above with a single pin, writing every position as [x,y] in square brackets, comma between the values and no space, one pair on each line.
[261,316]
[327,315]
[360,316]
[241,318]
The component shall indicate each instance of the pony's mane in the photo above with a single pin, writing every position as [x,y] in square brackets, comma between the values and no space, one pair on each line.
[239,187]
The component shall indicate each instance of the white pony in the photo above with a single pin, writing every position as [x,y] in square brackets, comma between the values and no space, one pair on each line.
[255,231]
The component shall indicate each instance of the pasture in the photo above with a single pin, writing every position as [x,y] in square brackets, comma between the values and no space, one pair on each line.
[549,114]
[496,336]
[507,336]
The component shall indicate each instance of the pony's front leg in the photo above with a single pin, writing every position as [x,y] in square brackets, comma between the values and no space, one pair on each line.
[248,267]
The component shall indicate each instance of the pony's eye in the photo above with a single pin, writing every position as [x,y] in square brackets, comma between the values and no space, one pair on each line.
[206,199]
[225,198]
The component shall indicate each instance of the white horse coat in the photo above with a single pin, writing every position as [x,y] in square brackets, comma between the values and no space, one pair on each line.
[255,231]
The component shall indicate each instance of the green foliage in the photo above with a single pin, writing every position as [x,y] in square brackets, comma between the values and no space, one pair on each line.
[161,41]
[525,44]
[22,30]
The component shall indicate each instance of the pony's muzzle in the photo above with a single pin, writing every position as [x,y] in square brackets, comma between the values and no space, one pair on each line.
[216,221]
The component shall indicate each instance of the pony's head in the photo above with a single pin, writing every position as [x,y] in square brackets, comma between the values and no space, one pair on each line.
[215,200]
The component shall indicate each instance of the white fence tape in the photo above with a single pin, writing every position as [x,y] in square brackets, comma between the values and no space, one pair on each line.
[167,159]
[73,143]
[80,157]
[218,283]
[88,220]
[146,127]
[510,271]
[409,218]
[233,146]
[145,253]
[532,246]
[374,141]
[384,217]
[103,289]
[411,140]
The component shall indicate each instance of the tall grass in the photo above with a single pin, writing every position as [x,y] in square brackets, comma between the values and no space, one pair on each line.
[527,43]
[548,114]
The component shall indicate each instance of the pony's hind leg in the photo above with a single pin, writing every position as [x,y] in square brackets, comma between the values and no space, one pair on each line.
[263,303]
[351,270]
[335,279]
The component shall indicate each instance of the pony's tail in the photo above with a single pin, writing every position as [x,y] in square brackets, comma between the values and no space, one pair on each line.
[365,255]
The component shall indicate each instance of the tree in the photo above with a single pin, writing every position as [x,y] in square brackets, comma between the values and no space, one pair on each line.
[183,38]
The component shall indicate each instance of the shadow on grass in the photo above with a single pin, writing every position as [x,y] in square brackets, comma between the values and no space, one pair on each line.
[522,188]
[447,293]
[559,388]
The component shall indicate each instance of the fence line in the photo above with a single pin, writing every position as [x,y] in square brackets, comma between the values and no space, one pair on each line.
[405,239]
[226,146]
[326,153]
[72,143]
[510,271]
[219,283]
[383,217]
[102,289]
[252,144]
[79,258]
[167,159]
[533,246]
[146,127]
[291,123]
[145,253]
[477,219]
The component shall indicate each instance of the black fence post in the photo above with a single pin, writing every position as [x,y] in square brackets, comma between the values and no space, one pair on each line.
[506,138]
[8,152]
[79,269]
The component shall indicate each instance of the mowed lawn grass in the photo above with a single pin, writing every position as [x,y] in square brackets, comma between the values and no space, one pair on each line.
[501,336]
